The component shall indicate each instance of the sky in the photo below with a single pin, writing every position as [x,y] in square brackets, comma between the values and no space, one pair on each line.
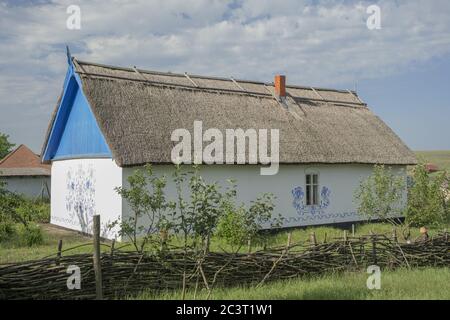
[402,70]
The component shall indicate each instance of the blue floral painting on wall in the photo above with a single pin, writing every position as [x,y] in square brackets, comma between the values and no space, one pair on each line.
[80,199]
[302,208]
[317,213]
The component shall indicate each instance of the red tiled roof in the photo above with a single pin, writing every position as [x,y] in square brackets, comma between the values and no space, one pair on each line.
[430,167]
[23,162]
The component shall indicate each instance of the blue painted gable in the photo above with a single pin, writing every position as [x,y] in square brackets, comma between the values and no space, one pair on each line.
[75,132]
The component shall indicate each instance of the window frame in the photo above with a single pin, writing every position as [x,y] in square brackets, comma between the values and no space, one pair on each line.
[312,184]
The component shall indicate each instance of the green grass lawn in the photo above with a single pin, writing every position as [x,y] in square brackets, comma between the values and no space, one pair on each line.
[439,158]
[12,251]
[427,284]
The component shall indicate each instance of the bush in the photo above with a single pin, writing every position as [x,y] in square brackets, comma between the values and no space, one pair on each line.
[380,196]
[31,235]
[427,199]
[232,227]
[34,211]
[7,230]
[8,203]
[237,225]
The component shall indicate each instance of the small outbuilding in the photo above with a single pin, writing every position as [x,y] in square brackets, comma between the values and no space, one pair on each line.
[24,174]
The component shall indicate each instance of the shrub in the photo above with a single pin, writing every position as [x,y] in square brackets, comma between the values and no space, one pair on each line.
[6,230]
[427,199]
[232,227]
[380,196]
[31,235]
[34,211]
[8,203]
[238,224]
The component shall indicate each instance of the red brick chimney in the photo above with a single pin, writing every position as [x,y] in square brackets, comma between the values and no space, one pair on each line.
[280,86]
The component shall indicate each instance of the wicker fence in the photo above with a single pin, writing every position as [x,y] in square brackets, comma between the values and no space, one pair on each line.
[127,273]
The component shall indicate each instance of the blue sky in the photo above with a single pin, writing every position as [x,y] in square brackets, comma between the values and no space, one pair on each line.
[402,70]
[415,103]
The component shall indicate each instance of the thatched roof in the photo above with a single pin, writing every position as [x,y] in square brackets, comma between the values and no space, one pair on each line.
[23,162]
[137,111]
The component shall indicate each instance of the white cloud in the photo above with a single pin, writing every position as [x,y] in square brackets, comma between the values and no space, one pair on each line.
[324,44]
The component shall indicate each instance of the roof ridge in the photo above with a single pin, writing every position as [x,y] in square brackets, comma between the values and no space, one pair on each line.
[178,86]
[11,153]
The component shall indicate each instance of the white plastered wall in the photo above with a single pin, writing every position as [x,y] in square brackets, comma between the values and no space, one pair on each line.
[84,187]
[337,184]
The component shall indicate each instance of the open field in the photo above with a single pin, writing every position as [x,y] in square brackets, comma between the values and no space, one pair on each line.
[439,158]
[428,283]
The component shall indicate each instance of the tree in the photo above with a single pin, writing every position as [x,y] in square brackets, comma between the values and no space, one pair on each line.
[197,216]
[380,196]
[5,145]
[150,219]
[427,204]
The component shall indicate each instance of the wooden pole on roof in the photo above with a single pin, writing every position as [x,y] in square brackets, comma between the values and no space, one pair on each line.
[237,84]
[190,79]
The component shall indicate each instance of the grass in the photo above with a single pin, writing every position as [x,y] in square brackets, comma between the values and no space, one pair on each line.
[12,251]
[439,158]
[399,284]
[427,284]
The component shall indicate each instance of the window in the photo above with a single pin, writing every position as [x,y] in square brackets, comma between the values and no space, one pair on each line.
[312,189]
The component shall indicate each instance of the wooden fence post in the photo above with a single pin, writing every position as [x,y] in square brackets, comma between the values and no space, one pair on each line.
[394,235]
[58,255]
[344,248]
[112,247]
[313,239]
[353,230]
[289,240]
[374,251]
[97,260]
[249,245]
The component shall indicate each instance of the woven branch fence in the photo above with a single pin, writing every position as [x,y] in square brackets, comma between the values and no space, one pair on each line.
[127,273]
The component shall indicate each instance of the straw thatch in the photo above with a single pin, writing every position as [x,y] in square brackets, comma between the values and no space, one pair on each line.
[137,111]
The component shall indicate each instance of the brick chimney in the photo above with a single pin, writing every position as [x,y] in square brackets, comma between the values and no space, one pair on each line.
[280,86]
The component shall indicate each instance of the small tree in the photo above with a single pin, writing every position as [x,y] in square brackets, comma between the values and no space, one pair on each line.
[150,209]
[5,145]
[427,199]
[203,210]
[183,223]
[197,217]
[380,196]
